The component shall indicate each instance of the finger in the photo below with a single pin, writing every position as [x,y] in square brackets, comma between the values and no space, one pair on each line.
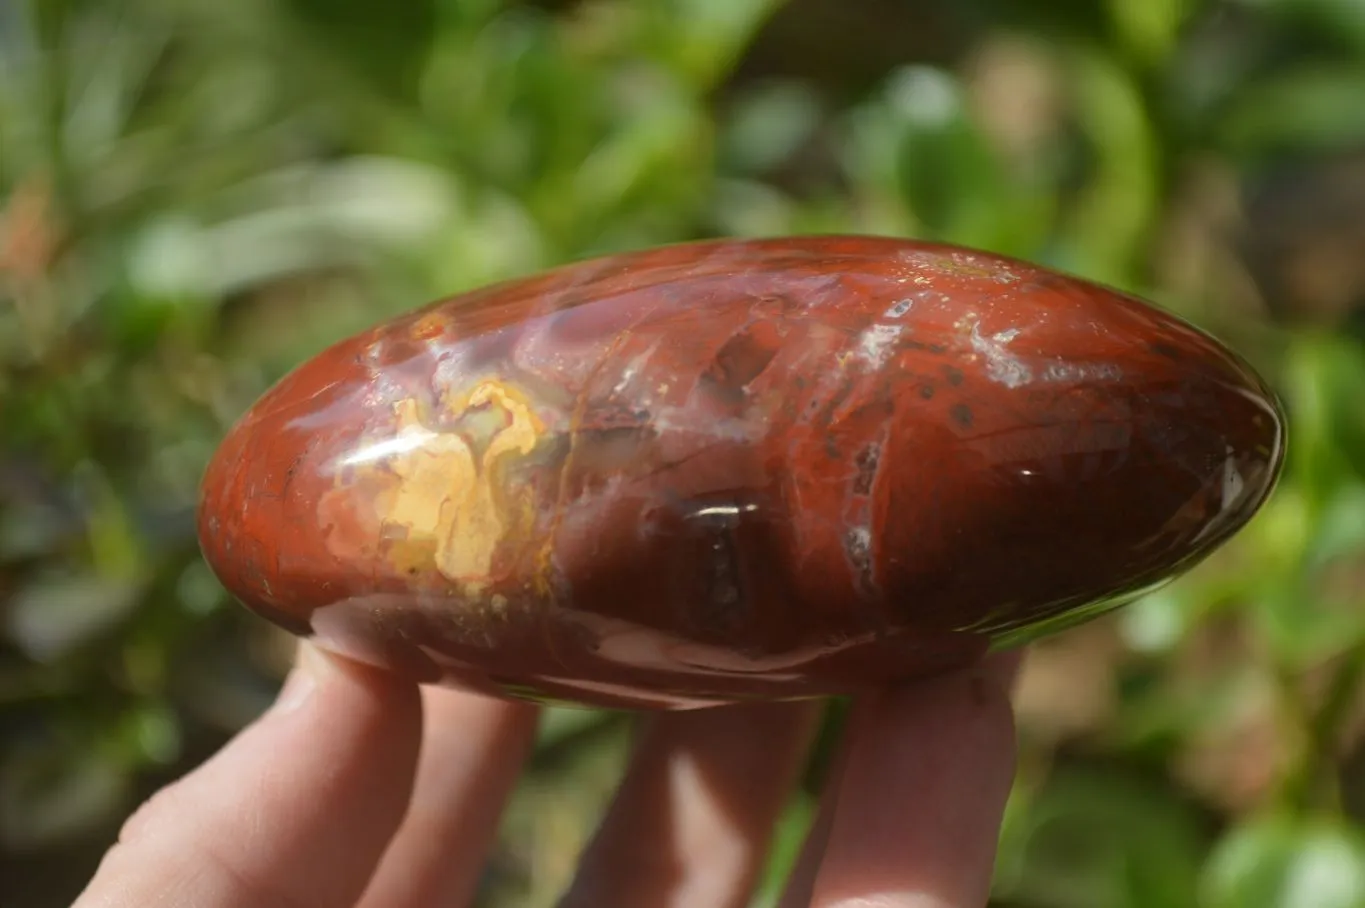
[690,824]
[922,795]
[801,884]
[295,811]
[473,749]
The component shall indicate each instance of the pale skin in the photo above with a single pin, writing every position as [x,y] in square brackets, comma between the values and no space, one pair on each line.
[362,791]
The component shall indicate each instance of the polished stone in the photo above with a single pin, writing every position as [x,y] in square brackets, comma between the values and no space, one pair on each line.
[736,469]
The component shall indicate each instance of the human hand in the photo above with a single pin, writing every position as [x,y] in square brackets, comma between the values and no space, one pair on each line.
[357,789]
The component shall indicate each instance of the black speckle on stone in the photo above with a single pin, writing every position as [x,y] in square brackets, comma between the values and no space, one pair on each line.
[926,391]
[962,415]
[866,462]
[935,349]
[640,432]
[954,374]
[1161,348]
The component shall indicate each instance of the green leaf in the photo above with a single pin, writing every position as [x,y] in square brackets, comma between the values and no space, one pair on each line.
[1315,107]
[386,43]
[1323,375]
[54,614]
[1090,838]
[1150,28]
[1341,361]
[1340,19]
[1287,862]
[917,151]
[55,788]
[1114,210]
[789,837]
[705,38]
[766,124]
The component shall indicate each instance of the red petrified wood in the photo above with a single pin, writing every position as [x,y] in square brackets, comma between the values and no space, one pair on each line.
[736,470]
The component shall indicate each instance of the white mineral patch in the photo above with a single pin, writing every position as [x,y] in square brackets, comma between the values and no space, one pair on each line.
[1006,368]
[1002,366]
[877,343]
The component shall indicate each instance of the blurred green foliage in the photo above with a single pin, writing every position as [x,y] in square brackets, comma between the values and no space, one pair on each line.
[196,195]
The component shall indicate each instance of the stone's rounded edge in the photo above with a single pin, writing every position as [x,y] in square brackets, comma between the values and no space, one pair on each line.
[469,568]
[259,524]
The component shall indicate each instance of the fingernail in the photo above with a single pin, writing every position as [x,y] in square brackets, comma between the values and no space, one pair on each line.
[301,682]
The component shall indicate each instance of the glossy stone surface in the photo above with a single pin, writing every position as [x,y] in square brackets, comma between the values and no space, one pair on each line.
[736,470]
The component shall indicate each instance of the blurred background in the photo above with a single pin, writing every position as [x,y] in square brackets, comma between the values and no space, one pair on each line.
[197,195]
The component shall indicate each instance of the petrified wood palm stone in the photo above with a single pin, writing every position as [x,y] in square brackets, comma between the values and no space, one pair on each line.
[736,470]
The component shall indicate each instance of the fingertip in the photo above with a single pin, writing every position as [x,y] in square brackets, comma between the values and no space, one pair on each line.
[363,687]
[1003,668]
